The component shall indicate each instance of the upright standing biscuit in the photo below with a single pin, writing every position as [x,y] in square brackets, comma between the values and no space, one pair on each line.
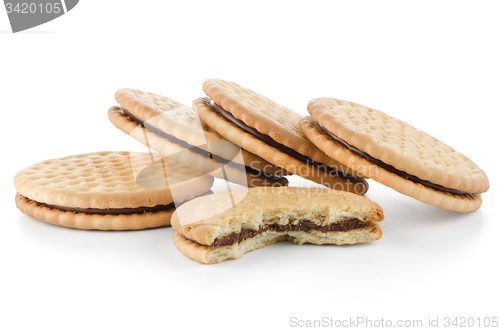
[107,190]
[395,154]
[248,219]
[272,132]
[175,131]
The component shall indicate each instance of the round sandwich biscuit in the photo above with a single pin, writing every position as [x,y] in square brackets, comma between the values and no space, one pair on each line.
[248,219]
[271,131]
[181,129]
[395,154]
[107,190]
[191,156]
[182,124]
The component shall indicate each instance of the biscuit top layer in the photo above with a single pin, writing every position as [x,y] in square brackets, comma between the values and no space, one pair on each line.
[206,218]
[168,115]
[181,122]
[264,115]
[398,144]
[110,180]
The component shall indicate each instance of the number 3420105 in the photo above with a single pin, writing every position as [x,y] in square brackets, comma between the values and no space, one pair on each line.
[32,8]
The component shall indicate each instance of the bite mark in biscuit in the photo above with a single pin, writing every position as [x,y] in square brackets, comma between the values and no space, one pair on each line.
[264,216]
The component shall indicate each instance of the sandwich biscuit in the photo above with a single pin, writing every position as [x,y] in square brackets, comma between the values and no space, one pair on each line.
[395,154]
[107,190]
[175,131]
[248,219]
[271,131]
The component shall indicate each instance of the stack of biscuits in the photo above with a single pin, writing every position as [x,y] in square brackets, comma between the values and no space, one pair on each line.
[242,137]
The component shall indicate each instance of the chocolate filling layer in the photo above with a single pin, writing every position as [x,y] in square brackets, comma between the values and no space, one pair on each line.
[185,145]
[303,226]
[111,211]
[388,167]
[268,140]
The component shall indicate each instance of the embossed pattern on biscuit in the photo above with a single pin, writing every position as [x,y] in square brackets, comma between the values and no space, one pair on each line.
[235,172]
[266,116]
[182,123]
[107,180]
[275,156]
[399,144]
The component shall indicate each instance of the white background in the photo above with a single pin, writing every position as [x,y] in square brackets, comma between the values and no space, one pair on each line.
[433,64]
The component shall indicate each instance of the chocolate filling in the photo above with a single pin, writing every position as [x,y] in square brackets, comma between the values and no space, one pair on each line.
[111,211]
[386,166]
[185,145]
[171,138]
[302,225]
[268,140]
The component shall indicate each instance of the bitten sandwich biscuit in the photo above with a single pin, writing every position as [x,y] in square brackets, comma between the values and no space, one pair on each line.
[395,154]
[248,219]
[271,131]
[107,190]
[175,131]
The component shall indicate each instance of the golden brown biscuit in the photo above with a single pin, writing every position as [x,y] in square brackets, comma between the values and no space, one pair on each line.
[107,190]
[225,225]
[178,124]
[234,172]
[395,154]
[291,160]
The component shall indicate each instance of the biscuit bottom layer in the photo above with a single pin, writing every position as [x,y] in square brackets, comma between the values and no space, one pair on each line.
[209,255]
[300,226]
[97,211]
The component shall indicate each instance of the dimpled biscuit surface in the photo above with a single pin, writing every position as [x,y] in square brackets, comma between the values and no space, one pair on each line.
[180,121]
[266,116]
[110,180]
[398,144]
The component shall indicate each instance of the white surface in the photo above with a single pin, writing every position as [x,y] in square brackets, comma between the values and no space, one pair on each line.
[432,64]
